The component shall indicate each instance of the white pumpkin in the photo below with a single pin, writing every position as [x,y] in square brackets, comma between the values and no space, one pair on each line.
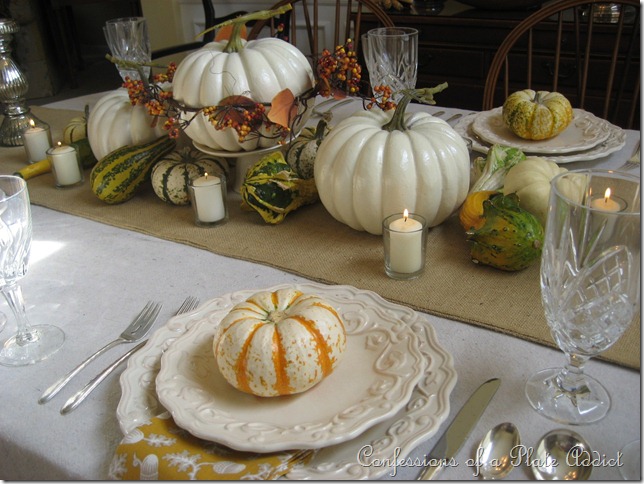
[114,123]
[259,70]
[365,173]
[279,343]
[530,180]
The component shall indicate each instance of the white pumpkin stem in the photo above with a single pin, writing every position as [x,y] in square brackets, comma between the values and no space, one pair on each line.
[425,96]
[235,41]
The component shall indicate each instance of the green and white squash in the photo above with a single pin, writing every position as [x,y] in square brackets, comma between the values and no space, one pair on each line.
[171,175]
[374,164]
[76,128]
[117,176]
[302,151]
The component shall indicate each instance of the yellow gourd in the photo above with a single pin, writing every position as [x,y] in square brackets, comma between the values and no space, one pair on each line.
[537,115]
[471,213]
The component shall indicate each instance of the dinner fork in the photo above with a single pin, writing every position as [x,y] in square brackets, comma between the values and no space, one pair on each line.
[134,332]
[75,400]
[634,160]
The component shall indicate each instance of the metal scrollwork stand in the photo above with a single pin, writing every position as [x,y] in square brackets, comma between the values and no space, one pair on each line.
[13,88]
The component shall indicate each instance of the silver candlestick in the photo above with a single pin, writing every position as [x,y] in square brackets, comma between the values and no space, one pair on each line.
[13,88]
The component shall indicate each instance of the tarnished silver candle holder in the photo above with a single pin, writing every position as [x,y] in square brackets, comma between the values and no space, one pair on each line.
[13,88]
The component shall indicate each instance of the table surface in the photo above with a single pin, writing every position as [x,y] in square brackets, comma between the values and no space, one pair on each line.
[91,279]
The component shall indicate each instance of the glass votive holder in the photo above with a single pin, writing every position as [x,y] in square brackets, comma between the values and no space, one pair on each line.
[405,239]
[65,165]
[208,199]
[36,140]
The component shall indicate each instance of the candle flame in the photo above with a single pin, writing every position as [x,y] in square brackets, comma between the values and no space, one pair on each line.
[607,195]
[32,124]
[206,175]
[406,214]
[59,144]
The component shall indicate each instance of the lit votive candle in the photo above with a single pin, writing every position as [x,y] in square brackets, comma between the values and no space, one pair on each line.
[65,165]
[404,238]
[604,221]
[37,140]
[208,197]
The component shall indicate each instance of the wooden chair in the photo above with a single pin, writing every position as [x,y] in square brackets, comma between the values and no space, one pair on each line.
[323,25]
[210,21]
[593,62]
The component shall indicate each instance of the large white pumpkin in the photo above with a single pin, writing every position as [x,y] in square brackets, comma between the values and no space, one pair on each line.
[114,123]
[365,173]
[260,70]
[279,343]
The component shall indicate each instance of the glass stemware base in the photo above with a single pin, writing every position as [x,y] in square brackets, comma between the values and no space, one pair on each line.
[631,468]
[3,320]
[585,402]
[38,343]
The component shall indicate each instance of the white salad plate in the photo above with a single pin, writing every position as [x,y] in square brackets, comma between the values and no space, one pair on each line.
[614,142]
[401,431]
[584,132]
[374,379]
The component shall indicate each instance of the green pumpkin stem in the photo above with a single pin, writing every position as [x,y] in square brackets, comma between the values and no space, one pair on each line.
[235,42]
[425,96]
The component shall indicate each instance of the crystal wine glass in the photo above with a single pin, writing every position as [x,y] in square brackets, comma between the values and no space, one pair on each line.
[391,57]
[30,343]
[128,39]
[590,286]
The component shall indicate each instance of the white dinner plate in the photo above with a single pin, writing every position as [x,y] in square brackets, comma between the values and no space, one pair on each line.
[584,132]
[614,142]
[373,380]
[398,435]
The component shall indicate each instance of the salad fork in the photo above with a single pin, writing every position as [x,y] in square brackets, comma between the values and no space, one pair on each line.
[75,400]
[134,332]
[634,160]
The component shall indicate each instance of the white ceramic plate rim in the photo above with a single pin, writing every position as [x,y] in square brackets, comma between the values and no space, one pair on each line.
[380,368]
[585,131]
[418,421]
[615,142]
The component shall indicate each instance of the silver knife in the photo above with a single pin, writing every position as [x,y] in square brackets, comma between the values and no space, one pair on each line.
[456,434]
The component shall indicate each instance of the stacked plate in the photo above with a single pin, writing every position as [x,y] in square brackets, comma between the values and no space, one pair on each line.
[388,394]
[586,138]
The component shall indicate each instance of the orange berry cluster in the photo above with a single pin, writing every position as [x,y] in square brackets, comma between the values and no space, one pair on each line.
[339,70]
[381,98]
[243,119]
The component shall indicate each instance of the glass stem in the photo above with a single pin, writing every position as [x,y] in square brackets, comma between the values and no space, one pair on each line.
[571,378]
[13,295]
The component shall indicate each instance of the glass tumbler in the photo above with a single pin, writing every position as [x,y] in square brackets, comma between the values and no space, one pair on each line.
[128,40]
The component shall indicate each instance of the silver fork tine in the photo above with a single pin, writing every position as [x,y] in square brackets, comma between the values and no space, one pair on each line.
[135,331]
[75,400]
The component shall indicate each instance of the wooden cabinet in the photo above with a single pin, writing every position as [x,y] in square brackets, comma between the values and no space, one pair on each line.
[457,46]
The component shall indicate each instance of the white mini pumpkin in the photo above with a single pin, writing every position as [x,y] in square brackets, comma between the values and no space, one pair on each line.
[365,173]
[114,123]
[279,343]
[260,69]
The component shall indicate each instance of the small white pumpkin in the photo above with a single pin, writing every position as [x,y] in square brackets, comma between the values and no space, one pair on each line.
[530,180]
[172,173]
[114,123]
[365,172]
[258,69]
[279,343]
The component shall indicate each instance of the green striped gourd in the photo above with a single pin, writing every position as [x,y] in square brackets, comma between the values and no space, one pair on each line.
[117,176]
[172,173]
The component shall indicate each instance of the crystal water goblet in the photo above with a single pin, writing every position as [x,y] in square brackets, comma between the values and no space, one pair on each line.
[128,39]
[30,344]
[590,286]
[391,57]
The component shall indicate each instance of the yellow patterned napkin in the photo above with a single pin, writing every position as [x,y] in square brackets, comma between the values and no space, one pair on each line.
[160,450]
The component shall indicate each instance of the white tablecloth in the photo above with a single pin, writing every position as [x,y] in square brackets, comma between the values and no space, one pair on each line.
[91,279]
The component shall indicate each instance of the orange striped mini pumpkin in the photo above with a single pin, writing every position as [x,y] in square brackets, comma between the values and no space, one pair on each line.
[279,343]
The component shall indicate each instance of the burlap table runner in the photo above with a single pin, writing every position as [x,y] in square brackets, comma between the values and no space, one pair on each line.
[313,244]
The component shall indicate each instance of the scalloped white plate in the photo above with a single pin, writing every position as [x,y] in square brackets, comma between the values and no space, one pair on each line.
[585,131]
[614,142]
[374,379]
[398,435]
